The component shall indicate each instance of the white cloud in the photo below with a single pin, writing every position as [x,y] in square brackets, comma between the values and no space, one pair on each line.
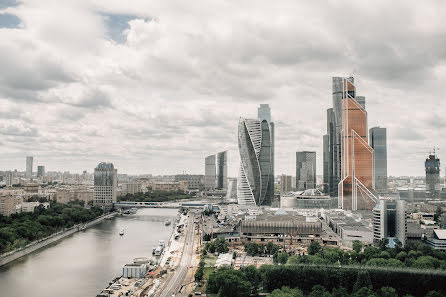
[172,89]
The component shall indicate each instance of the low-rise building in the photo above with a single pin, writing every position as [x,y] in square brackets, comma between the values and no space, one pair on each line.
[194,181]
[131,188]
[437,240]
[170,186]
[8,205]
[31,188]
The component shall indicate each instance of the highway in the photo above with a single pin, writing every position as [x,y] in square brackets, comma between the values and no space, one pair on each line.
[177,279]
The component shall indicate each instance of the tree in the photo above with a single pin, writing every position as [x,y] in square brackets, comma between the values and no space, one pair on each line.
[364,292]
[426,262]
[280,258]
[357,246]
[387,292]
[252,276]
[227,282]
[362,281]
[271,248]
[339,292]
[314,248]
[286,292]
[319,291]
[434,294]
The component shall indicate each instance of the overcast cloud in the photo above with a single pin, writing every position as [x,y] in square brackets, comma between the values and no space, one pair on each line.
[155,86]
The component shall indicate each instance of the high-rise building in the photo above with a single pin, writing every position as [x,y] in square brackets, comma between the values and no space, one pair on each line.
[29,167]
[331,153]
[305,170]
[286,183]
[9,179]
[390,221]
[432,167]
[264,114]
[222,170]
[326,163]
[105,185]
[40,171]
[209,173]
[356,188]
[378,141]
[255,173]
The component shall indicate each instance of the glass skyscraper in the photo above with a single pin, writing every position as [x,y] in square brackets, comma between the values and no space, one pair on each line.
[255,184]
[305,170]
[378,141]
[222,170]
[105,185]
[209,172]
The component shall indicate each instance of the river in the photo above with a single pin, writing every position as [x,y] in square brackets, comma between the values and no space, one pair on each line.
[82,264]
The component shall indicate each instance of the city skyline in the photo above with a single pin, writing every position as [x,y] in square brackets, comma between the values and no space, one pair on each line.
[154,124]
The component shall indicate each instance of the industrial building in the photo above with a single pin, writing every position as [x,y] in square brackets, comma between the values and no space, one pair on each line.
[279,227]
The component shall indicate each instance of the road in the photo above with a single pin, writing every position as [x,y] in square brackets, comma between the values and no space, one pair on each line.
[175,282]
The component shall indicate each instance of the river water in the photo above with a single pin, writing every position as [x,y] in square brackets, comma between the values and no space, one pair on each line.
[82,264]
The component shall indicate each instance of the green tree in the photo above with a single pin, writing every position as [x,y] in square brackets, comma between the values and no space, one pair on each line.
[387,292]
[339,292]
[280,258]
[364,292]
[357,246]
[286,292]
[426,262]
[362,281]
[314,248]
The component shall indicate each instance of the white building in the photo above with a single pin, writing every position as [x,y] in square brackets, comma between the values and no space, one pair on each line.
[29,167]
[390,221]
[210,177]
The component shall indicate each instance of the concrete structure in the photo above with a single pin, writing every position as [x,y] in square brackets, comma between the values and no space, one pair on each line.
[264,115]
[40,171]
[29,167]
[194,181]
[131,188]
[286,183]
[307,199]
[31,188]
[170,186]
[378,141]
[432,167]
[356,188]
[105,185]
[355,226]
[8,205]
[222,170]
[9,179]
[437,240]
[210,178]
[231,193]
[255,183]
[280,228]
[305,170]
[134,270]
[326,164]
[390,221]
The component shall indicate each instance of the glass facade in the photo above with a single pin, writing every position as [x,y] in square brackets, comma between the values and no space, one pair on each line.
[356,188]
[305,170]
[378,141]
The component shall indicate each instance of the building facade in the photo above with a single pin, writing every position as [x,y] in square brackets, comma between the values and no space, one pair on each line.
[131,188]
[222,170]
[378,141]
[105,185]
[286,183]
[40,171]
[432,167]
[254,180]
[264,115]
[210,173]
[357,184]
[305,170]
[194,181]
[8,205]
[29,167]
[390,221]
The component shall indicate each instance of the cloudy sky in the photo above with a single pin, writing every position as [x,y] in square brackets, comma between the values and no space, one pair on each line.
[155,86]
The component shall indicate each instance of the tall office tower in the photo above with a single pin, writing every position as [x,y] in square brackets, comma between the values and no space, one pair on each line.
[332,175]
[254,181]
[390,221]
[264,114]
[286,183]
[209,173]
[231,192]
[432,166]
[40,171]
[105,185]
[356,188]
[29,167]
[378,141]
[305,170]
[9,178]
[326,160]
[222,170]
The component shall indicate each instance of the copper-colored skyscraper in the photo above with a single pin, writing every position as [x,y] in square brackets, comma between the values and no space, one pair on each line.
[356,188]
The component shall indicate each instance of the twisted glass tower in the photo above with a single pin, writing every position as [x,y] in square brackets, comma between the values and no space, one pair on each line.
[254,182]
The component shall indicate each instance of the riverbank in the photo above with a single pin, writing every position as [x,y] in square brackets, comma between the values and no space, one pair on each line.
[36,245]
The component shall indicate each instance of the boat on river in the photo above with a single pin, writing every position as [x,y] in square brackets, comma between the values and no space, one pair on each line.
[121,232]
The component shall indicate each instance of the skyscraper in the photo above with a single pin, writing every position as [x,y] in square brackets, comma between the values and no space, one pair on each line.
[305,170]
[378,141]
[285,183]
[326,160]
[29,167]
[331,153]
[356,188]
[390,221]
[209,173]
[254,181]
[432,167]
[9,178]
[264,115]
[40,171]
[105,185]
[222,170]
